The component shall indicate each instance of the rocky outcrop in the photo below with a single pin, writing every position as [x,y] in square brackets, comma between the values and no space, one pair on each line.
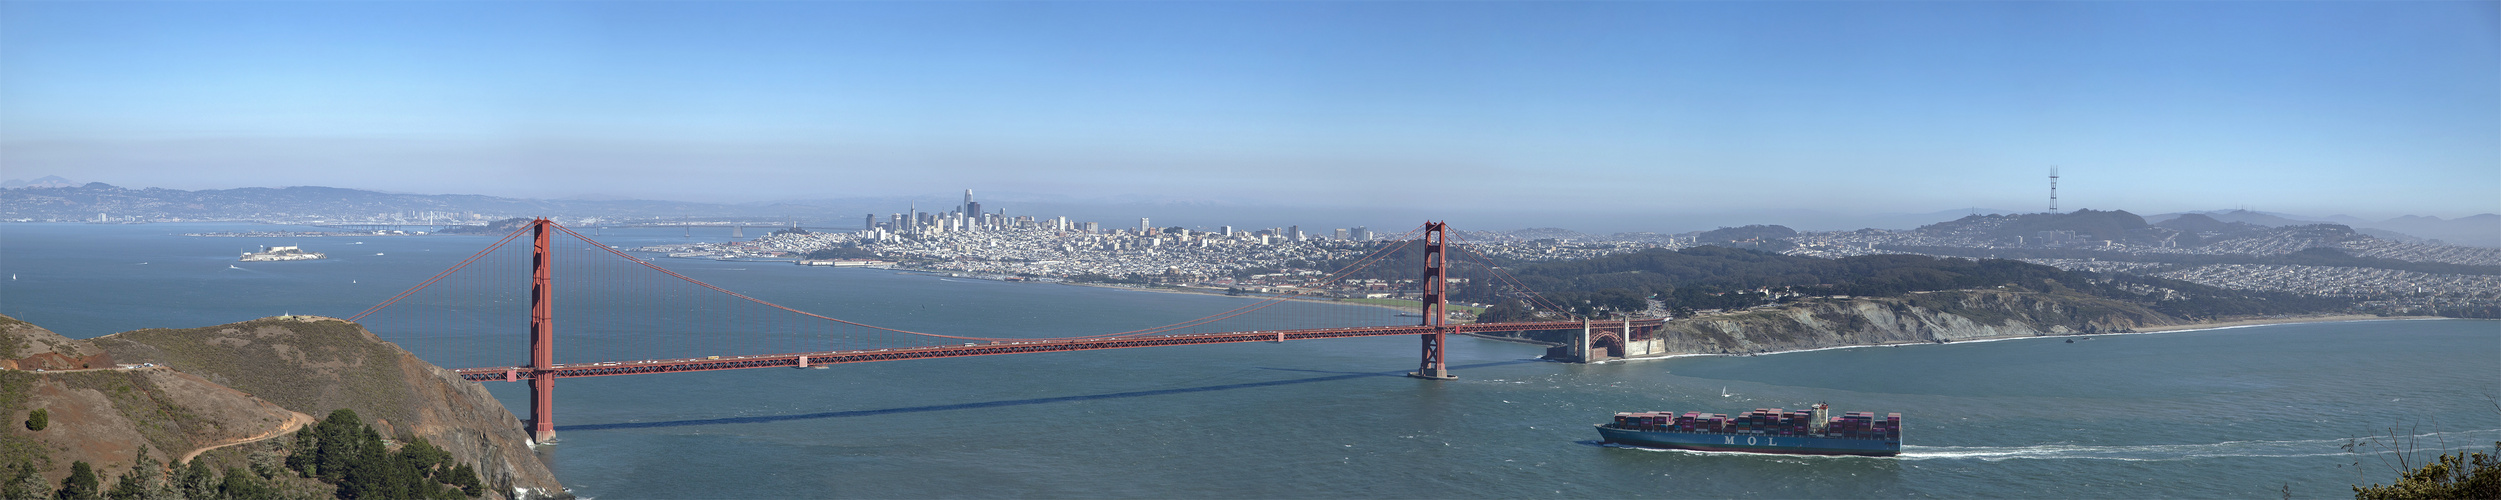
[316,365]
[1916,318]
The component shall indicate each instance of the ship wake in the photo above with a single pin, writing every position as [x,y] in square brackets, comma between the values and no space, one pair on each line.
[2175,452]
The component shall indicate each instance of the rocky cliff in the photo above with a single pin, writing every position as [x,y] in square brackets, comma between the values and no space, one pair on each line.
[315,365]
[1915,318]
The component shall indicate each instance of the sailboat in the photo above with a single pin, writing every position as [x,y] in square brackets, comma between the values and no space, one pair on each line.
[1723,391]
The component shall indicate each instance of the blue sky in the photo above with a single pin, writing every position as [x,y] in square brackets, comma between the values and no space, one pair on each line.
[2363,108]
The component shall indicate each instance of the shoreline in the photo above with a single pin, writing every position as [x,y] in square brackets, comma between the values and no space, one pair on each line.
[2236,323]
[2183,328]
[1512,340]
[1254,297]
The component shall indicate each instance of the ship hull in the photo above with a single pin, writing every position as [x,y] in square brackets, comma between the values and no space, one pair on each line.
[1751,443]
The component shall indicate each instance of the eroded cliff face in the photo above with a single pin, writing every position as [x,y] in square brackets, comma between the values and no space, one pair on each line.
[315,365]
[1917,318]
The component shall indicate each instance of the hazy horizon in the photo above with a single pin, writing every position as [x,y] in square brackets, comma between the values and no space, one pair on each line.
[1207,214]
[1609,113]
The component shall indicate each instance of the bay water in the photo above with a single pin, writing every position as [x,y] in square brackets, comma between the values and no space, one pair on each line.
[2236,412]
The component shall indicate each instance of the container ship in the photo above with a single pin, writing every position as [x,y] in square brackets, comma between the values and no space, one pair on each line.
[1764,430]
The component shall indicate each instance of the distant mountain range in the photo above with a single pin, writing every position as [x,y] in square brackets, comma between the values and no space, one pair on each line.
[53,198]
[46,200]
[48,181]
[2483,230]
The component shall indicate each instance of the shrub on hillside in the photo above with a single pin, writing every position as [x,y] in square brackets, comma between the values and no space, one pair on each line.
[2454,475]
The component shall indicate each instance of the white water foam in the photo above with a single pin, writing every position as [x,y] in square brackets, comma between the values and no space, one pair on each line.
[2138,453]
[1726,453]
[2173,452]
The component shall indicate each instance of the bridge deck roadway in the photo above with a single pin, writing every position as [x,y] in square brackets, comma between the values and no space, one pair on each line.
[793,360]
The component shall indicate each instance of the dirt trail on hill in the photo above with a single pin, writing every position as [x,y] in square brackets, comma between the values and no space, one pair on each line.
[295,421]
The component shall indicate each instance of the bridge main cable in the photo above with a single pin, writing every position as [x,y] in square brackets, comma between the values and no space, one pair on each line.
[812,359]
[1375,256]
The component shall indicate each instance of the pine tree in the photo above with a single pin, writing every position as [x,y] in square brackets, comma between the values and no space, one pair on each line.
[240,484]
[338,441]
[80,485]
[343,451]
[467,479]
[144,481]
[24,481]
[198,482]
[301,458]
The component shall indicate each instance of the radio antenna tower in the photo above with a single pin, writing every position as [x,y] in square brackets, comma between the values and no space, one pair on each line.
[2053,189]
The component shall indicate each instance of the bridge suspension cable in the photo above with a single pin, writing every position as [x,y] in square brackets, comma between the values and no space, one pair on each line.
[1533,297]
[1376,256]
[464,264]
[667,318]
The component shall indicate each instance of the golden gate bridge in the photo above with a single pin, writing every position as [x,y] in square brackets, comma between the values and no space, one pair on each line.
[671,314]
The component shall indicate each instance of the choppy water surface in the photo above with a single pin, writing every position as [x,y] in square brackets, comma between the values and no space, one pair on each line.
[2222,413]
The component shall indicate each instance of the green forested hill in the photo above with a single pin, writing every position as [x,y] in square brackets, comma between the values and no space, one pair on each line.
[1727,278]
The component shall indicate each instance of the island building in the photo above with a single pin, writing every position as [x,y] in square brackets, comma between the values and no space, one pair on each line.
[274,254]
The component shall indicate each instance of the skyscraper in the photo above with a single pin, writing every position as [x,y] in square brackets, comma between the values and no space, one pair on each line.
[1144,227]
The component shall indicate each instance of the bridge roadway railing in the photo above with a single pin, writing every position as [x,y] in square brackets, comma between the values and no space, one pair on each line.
[797,360]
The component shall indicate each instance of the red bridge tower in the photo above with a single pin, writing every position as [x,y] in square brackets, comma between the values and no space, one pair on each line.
[542,338]
[1436,306]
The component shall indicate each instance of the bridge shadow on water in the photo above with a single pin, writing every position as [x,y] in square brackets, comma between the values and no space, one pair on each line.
[1015,402]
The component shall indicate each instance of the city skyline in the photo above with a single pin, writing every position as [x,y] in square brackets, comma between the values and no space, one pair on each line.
[2366,109]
